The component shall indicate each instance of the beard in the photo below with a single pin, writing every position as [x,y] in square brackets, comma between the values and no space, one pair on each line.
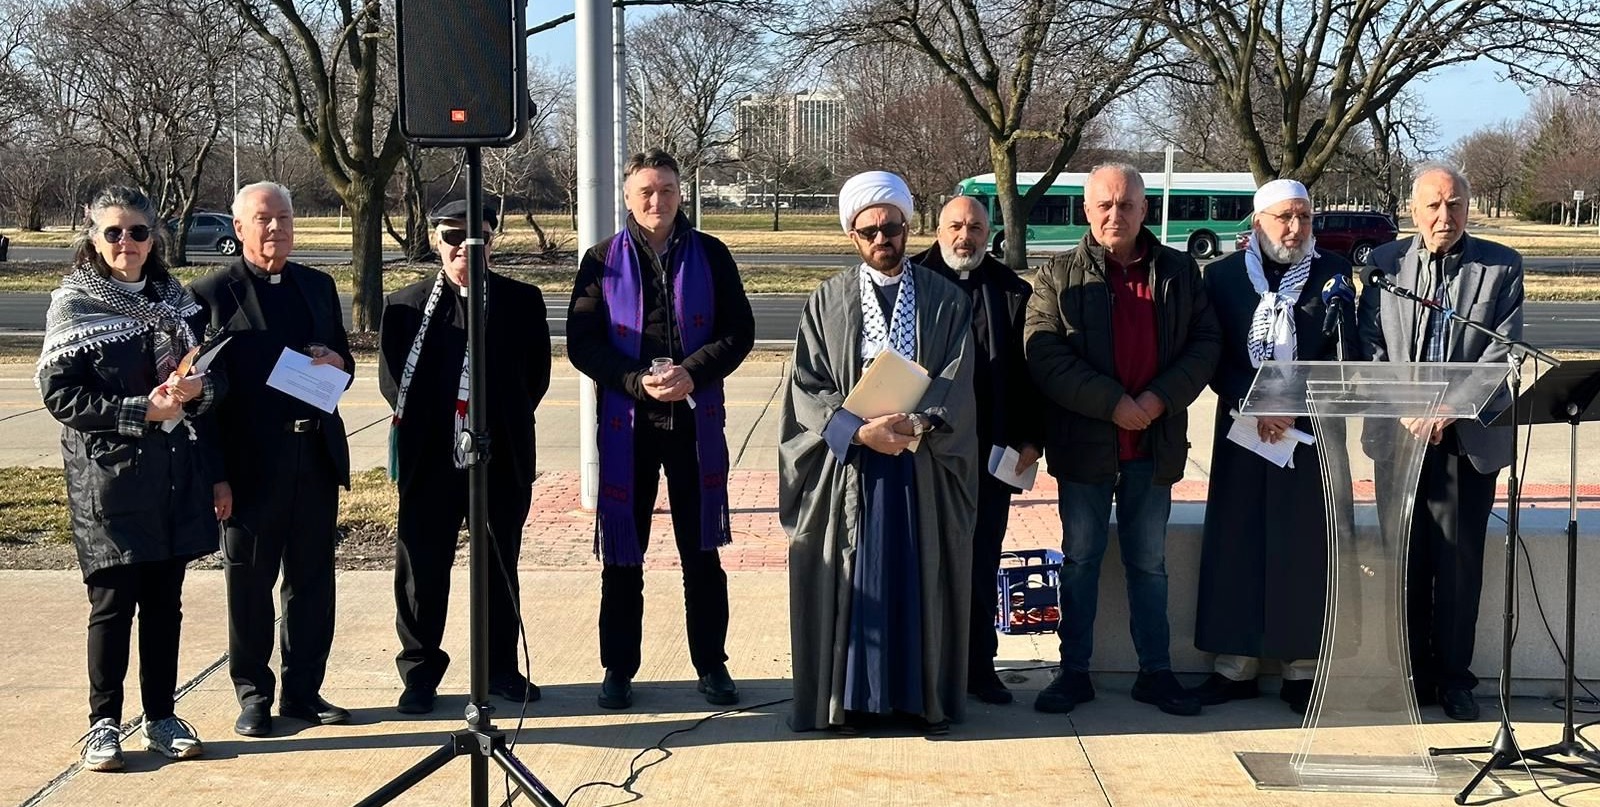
[958,263]
[884,257]
[1278,253]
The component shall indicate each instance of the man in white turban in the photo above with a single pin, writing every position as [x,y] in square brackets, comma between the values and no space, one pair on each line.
[1263,558]
[879,503]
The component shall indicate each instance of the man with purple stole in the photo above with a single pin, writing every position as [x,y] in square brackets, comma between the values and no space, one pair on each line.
[658,319]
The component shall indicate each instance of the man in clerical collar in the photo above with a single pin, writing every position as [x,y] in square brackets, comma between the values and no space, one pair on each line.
[424,376]
[1009,409]
[879,501]
[284,462]
[1462,464]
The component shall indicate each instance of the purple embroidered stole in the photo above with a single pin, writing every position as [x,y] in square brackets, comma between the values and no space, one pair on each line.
[616,539]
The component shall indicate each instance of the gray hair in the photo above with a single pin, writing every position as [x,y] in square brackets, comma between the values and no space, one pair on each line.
[127,198]
[262,187]
[1128,172]
[1460,179]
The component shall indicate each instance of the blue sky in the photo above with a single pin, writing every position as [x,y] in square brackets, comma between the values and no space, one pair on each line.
[1461,99]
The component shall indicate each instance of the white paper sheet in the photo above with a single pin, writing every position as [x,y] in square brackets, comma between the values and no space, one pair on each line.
[1003,465]
[321,385]
[1280,453]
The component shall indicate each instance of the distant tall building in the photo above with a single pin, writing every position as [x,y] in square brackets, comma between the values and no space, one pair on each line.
[802,125]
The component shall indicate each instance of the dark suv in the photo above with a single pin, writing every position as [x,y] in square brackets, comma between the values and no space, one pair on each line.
[1352,234]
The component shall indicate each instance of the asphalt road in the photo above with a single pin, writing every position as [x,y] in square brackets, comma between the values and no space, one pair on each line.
[1553,326]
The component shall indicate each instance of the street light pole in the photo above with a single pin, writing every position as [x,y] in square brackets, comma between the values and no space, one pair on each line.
[597,199]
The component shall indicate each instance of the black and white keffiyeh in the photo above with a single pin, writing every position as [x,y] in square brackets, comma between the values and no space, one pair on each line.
[410,369]
[90,311]
[900,333]
[1272,335]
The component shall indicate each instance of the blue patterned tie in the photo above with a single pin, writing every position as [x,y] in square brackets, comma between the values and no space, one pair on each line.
[1438,324]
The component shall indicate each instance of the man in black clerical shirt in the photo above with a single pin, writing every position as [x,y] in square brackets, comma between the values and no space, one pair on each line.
[1009,410]
[284,461]
[423,375]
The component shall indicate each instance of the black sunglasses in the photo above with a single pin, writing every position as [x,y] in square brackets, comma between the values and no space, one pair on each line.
[455,237]
[892,229]
[138,232]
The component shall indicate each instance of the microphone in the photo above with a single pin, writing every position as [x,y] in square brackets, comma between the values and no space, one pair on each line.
[1373,276]
[1337,294]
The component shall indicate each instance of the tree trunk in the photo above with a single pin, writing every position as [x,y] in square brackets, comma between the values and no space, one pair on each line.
[1013,213]
[366,233]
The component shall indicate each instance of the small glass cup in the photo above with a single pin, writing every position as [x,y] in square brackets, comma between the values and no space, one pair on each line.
[660,366]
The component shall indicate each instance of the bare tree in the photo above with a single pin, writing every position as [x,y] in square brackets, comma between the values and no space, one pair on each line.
[1360,57]
[1492,158]
[153,109]
[338,64]
[901,120]
[996,57]
[1563,155]
[687,70]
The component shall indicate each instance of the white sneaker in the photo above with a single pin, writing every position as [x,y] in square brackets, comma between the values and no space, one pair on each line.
[102,746]
[172,738]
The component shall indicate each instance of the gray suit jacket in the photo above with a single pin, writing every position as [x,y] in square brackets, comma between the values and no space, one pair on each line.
[1488,290]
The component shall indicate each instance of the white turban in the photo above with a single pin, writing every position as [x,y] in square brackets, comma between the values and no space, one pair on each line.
[1280,190]
[872,188]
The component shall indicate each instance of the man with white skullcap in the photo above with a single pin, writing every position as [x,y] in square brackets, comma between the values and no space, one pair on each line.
[1264,556]
[1121,339]
[879,503]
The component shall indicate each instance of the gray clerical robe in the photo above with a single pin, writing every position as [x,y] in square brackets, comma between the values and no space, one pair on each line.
[819,498]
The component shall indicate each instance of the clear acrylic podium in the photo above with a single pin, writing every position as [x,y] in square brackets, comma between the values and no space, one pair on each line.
[1362,730]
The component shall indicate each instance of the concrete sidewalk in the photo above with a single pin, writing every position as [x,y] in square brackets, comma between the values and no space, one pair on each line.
[1112,751]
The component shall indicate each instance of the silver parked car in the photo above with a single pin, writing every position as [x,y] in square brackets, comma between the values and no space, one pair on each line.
[212,231]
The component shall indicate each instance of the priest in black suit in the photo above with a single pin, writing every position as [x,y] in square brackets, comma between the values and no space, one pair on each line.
[284,463]
[423,374]
[1010,410]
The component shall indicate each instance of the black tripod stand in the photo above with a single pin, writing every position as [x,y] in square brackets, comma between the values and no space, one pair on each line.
[480,739]
[1566,395]
[1503,750]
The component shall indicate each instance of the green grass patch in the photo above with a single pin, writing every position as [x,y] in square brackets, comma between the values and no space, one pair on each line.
[33,505]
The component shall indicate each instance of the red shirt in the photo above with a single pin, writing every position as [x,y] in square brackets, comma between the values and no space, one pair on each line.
[1133,337]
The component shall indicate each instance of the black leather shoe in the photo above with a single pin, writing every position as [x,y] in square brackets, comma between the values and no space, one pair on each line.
[1219,689]
[989,689]
[1067,691]
[616,691]
[1297,694]
[1458,704]
[515,688]
[255,720]
[315,710]
[718,687]
[1162,690]
[416,701]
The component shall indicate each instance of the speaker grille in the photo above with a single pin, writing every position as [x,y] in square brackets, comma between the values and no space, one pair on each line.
[461,71]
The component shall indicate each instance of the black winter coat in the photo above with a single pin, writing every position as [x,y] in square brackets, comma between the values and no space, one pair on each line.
[132,499]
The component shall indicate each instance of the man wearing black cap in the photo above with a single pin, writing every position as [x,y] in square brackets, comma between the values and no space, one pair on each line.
[423,374]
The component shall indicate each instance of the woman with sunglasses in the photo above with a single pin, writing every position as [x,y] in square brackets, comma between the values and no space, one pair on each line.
[138,462]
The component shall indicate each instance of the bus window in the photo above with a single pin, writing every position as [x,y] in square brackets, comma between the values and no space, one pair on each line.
[1050,210]
[1231,208]
[1188,208]
[1152,211]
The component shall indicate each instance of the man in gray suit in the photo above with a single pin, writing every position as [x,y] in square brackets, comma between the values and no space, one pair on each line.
[1483,281]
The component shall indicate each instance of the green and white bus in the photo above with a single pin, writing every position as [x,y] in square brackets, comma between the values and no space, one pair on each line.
[1205,212]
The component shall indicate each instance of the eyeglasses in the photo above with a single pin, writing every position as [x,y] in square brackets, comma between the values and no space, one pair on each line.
[1286,219]
[893,229]
[138,232]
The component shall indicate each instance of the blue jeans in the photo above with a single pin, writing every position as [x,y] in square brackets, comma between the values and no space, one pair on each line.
[1142,510]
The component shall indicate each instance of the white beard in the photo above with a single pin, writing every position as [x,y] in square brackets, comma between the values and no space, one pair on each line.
[958,263]
[1278,253]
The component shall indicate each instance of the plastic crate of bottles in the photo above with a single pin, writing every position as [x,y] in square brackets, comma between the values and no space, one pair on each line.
[1028,586]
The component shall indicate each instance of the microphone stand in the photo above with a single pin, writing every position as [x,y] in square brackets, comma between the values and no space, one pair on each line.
[1503,749]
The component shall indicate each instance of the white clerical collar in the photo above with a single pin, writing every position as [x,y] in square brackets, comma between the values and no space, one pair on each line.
[880,279]
[134,287]
[966,273]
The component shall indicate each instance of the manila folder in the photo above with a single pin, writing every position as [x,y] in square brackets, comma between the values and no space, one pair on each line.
[891,384]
